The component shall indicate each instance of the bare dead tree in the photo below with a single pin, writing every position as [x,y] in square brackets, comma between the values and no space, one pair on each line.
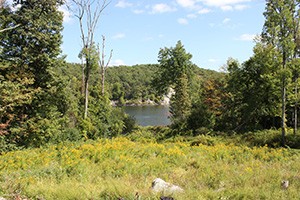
[88,13]
[103,66]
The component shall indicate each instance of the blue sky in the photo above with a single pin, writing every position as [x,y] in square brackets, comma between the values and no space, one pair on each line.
[211,30]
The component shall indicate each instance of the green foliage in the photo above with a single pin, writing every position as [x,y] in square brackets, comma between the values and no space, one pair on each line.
[137,83]
[175,66]
[174,62]
[200,117]
[253,92]
[103,119]
[180,106]
[131,84]
[271,138]
[281,30]
[34,110]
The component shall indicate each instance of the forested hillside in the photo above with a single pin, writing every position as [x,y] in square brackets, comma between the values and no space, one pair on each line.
[135,84]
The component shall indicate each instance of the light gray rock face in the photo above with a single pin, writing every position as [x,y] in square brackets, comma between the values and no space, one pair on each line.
[159,185]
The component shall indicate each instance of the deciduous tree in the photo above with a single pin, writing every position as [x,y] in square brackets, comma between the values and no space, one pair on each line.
[278,31]
[29,55]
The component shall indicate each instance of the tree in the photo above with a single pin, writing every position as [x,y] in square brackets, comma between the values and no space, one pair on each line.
[180,102]
[296,61]
[252,98]
[175,67]
[88,14]
[103,66]
[36,104]
[278,32]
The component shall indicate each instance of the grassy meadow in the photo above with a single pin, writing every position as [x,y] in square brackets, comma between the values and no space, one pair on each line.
[120,167]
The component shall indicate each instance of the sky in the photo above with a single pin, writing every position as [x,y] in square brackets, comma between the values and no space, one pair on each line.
[211,30]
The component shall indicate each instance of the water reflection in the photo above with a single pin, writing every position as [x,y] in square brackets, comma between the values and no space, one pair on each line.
[149,115]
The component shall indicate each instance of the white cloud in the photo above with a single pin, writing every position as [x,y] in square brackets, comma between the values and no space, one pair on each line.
[204,11]
[247,37]
[119,36]
[117,62]
[183,21]
[226,20]
[137,11]
[240,7]
[226,8]
[190,4]
[162,8]
[186,3]
[220,3]
[227,5]
[123,4]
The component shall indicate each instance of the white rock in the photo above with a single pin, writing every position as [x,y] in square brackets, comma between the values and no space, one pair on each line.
[159,185]
[284,184]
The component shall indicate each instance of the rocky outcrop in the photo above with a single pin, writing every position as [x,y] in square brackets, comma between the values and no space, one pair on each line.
[167,97]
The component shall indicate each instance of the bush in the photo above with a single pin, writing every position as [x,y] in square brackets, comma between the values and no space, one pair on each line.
[141,135]
[204,140]
[271,138]
[6,146]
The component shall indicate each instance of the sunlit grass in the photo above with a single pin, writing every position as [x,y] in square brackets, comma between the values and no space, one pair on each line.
[109,169]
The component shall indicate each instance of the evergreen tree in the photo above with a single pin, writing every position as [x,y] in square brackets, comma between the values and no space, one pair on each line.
[180,102]
[175,66]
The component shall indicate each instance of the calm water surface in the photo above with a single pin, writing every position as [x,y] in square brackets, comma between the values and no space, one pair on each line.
[149,115]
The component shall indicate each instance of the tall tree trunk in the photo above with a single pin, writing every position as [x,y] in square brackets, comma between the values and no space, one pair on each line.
[296,21]
[103,80]
[86,89]
[283,99]
[83,78]
[86,98]
[296,109]
[102,64]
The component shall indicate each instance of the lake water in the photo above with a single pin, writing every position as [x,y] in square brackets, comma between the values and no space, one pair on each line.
[149,115]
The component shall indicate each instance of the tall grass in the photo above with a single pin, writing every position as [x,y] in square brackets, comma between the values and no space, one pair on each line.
[110,169]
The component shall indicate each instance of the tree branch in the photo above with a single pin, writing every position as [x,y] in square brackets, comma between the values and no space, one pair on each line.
[10,28]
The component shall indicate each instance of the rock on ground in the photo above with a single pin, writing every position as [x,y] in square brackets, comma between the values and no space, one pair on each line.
[159,185]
